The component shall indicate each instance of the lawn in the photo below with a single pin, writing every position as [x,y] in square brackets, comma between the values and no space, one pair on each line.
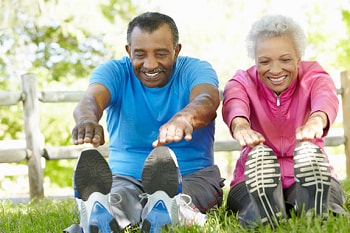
[53,215]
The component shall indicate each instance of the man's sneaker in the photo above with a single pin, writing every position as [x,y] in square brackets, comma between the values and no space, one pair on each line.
[262,174]
[96,216]
[312,171]
[161,172]
[189,214]
[159,211]
[92,183]
[161,180]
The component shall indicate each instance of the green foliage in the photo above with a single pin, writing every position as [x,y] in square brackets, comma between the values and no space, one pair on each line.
[9,126]
[125,9]
[62,52]
[324,30]
[57,47]
[60,172]
[344,53]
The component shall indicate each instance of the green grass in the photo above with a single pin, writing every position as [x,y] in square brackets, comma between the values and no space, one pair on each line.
[46,215]
[53,215]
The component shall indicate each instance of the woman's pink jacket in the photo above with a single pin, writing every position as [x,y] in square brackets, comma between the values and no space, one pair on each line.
[277,118]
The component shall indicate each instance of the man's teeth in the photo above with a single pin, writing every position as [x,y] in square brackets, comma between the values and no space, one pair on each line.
[151,75]
[277,79]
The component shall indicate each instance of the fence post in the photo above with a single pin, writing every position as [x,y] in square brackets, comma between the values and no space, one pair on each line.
[33,137]
[345,80]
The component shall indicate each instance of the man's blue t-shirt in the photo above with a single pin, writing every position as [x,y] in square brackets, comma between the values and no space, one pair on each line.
[136,112]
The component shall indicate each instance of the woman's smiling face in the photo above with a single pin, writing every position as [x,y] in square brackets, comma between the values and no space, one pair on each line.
[277,62]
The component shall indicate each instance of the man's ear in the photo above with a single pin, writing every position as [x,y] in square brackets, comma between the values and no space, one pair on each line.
[177,49]
[128,50]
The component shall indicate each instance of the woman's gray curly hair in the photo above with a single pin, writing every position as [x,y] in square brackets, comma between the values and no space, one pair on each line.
[276,25]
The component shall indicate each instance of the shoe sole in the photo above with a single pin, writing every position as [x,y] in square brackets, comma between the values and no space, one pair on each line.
[312,170]
[92,174]
[160,172]
[262,174]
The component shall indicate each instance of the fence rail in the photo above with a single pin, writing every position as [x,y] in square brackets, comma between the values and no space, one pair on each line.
[33,148]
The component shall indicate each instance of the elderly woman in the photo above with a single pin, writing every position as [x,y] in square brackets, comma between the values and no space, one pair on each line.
[279,110]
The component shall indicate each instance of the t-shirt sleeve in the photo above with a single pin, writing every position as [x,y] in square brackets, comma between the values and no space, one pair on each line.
[110,75]
[198,72]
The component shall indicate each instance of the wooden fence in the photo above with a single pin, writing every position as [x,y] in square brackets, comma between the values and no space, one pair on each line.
[33,149]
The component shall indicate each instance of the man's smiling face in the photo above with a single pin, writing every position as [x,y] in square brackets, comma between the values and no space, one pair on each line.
[153,55]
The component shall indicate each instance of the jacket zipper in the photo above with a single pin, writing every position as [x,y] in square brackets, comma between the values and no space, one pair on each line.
[278,103]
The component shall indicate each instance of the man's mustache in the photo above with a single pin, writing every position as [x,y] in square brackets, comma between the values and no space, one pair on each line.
[159,69]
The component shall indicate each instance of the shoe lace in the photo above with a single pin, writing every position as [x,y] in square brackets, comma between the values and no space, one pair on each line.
[188,213]
[182,199]
[114,198]
[143,196]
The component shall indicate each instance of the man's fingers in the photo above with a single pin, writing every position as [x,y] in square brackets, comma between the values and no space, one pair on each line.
[75,136]
[88,133]
[98,138]
[188,134]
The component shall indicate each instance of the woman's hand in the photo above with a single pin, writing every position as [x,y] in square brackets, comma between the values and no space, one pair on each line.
[313,128]
[242,132]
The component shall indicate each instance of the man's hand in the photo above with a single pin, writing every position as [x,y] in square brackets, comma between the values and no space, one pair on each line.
[87,114]
[199,112]
[88,132]
[175,130]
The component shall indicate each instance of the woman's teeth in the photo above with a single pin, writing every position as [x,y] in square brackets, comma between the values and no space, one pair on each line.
[277,79]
